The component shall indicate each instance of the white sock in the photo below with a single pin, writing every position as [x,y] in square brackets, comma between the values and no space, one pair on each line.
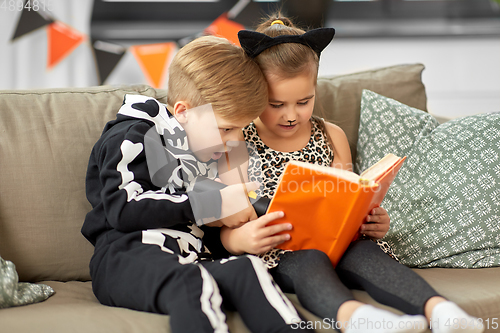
[448,317]
[369,319]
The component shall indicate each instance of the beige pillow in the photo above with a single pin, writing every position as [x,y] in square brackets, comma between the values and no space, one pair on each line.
[45,141]
[339,97]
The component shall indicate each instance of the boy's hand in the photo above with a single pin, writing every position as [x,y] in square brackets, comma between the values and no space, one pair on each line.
[217,223]
[377,223]
[255,237]
[236,209]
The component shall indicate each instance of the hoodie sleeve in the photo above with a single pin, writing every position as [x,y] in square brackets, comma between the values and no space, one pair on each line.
[130,199]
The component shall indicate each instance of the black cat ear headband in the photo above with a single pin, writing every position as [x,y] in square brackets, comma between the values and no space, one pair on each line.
[255,42]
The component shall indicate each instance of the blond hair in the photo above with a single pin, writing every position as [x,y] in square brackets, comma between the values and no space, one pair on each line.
[288,59]
[213,70]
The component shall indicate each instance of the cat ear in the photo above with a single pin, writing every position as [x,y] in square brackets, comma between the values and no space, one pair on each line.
[254,42]
[318,39]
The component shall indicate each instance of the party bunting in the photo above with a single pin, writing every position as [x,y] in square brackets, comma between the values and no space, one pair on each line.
[153,60]
[107,56]
[224,27]
[61,41]
[30,20]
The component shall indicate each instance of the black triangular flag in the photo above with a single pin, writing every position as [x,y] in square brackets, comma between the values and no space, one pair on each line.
[107,56]
[30,20]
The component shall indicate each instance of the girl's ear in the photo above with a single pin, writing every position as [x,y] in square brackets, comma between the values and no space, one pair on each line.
[180,111]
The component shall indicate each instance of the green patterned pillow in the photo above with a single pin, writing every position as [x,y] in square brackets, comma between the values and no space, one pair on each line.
[15,293]
[445,202]
[387,126]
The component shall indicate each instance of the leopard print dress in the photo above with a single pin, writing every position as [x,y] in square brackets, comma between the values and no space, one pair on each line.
[266,166]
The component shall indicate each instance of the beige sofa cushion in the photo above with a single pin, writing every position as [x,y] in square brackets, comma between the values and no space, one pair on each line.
[339,97]
[74,308]
[45,141]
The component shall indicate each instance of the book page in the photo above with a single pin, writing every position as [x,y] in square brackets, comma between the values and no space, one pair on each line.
[321,169]
[380,168]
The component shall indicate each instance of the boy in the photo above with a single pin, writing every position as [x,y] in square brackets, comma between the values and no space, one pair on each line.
[150,253]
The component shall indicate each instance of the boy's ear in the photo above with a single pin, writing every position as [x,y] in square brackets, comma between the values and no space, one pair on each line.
[180,111]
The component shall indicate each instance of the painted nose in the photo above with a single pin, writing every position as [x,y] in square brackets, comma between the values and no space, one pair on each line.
[290,115]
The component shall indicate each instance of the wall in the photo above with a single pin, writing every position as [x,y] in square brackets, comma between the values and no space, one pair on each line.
[462,75]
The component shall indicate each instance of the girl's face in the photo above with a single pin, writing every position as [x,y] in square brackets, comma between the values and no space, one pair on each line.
[291,104]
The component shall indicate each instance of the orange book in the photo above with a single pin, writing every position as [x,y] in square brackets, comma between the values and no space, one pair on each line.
[326,205]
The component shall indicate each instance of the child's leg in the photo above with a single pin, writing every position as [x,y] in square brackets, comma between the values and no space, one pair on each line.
[142,277]
[365,266]
[310,275]
[247,287]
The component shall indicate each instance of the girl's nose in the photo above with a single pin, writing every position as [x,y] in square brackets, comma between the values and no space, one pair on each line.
[290,114]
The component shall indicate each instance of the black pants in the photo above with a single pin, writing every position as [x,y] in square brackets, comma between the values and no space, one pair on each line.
[130,274]
[322,289]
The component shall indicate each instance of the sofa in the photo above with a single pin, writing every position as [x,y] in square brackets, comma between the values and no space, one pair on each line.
[46,137]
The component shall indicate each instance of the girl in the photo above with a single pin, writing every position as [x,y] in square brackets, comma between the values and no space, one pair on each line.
[287,130]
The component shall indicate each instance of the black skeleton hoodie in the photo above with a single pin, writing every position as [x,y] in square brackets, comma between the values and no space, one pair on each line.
[139,177]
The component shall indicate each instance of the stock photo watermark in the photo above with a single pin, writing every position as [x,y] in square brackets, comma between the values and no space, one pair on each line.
[368,325]
[31,5]
[364,324]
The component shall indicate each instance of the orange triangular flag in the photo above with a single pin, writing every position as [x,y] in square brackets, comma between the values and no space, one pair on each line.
[62,40]
[224,27]
[153,59]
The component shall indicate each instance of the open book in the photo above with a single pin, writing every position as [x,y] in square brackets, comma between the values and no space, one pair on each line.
[326,205]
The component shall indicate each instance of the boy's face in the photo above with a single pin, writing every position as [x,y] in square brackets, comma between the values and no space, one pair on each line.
[209,134]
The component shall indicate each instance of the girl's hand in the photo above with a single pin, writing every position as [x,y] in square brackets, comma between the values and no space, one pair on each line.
[377,223]
[255,237]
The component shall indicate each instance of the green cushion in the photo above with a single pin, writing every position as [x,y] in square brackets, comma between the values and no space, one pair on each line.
[445,202]
[14,293]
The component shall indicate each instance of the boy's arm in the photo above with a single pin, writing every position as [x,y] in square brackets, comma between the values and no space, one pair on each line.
[212,240]
[233,165]
[131,202]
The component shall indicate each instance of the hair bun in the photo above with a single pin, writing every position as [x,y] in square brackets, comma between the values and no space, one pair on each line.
[276,19]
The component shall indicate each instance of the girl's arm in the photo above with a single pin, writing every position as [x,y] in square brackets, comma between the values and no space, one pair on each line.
[255,237]
[342,152]
[378,221]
